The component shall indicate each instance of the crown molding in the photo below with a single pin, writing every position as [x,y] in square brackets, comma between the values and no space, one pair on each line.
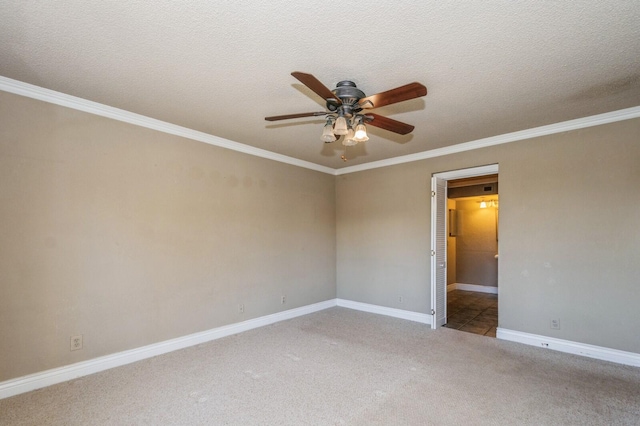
[62,99]
[565,126]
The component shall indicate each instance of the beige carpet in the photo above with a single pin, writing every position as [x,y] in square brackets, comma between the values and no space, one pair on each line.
[338,367]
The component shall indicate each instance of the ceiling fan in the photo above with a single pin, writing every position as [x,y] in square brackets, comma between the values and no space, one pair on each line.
[347,109]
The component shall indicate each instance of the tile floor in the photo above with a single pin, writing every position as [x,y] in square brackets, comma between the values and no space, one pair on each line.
[472,312]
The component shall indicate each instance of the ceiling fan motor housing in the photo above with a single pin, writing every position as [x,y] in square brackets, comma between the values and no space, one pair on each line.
[349,94]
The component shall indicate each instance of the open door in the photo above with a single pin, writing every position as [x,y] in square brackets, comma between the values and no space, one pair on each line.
[439,219]
[438,252]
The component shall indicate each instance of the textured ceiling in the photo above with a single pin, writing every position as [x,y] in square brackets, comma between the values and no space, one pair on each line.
[491,67]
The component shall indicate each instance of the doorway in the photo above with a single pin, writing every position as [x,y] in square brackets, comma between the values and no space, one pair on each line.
[443,223]
[472,255]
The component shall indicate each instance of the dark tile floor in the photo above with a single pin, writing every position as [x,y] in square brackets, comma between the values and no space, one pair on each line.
[472,312]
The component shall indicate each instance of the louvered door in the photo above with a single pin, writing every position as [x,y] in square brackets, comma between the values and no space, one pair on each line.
[439,252]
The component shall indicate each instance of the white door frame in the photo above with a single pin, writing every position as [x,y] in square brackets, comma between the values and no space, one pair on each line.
[450,175]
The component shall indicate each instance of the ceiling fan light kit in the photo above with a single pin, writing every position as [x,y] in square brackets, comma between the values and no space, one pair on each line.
[327,132]
[340,127]
[349,139]
[345,105]
[361,133]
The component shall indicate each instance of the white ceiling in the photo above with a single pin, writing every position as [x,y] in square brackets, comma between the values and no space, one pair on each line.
[491,67]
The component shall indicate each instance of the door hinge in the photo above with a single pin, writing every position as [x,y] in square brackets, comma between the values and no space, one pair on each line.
[433,312]
[433,252]
[433,193]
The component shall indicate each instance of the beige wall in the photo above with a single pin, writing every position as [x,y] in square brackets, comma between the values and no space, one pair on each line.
[569,233]
[130,236]
[476,244]
[383,236]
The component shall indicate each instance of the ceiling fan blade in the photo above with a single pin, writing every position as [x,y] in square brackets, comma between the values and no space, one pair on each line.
[299,115]
[314,84]
[399,94]
[388,124]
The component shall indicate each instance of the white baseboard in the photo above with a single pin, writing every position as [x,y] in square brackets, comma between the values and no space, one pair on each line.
[576,348]
[383,310]
[473,287]
[69,372]
[62,374]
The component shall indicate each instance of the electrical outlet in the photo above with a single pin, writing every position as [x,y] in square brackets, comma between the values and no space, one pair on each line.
[401,299]
[76,343]
[283,299]
[241,308]
[555,324]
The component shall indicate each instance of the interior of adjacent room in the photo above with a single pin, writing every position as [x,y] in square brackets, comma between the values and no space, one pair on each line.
[472,255]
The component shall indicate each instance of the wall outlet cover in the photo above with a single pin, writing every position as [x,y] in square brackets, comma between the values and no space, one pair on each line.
[76,342]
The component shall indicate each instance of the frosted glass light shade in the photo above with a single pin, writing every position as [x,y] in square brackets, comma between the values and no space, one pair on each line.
[341,126]
[361,133]
[349,140]
[327,134]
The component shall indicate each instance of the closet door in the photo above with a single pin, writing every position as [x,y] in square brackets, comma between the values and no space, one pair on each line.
[438,252]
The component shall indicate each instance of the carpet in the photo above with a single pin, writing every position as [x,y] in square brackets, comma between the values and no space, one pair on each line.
[344,367]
